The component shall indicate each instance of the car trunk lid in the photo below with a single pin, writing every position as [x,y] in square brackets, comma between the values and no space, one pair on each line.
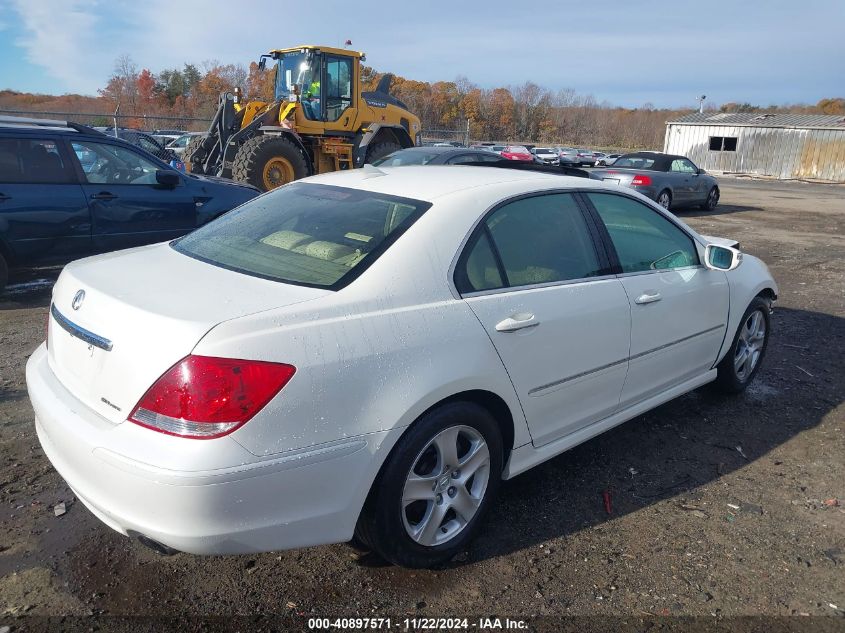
[615,176]
[119,321]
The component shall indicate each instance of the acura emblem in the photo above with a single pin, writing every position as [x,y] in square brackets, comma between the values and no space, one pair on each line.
[78,298]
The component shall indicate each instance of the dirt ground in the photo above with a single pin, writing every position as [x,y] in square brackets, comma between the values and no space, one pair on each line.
[720,506]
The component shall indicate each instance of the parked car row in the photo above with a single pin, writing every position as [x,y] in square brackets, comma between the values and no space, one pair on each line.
[67,191]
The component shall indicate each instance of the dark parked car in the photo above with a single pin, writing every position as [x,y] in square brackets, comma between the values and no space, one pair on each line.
[68,191]
[670,180]
[143,140]
[440,155]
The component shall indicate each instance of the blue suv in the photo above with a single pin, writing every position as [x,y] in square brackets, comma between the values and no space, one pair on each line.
[68,191]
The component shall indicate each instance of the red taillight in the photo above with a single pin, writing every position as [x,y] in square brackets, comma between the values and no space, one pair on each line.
[202,397]
[641,179]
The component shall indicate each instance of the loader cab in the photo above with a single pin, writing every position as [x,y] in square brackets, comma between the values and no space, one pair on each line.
[324,83]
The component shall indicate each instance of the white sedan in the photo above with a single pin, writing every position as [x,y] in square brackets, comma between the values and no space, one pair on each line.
[367,354]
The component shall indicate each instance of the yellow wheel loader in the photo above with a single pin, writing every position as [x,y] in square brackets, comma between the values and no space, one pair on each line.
[319,121]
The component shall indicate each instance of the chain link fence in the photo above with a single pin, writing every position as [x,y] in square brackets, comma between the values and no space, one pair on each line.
[144,122]
[431,136]
[150,123]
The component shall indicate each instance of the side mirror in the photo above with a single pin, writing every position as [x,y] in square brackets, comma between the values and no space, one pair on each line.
[721,257]
[167,177]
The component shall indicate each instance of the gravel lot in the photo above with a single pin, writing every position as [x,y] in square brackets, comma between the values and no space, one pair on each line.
[730,507]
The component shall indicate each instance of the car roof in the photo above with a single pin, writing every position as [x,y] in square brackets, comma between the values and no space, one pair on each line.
[432,182]
[437,149]
[660,159]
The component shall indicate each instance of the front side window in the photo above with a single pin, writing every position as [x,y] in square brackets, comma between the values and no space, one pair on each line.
[306,234]
[536,240]
[28,160]
[644,240]
[682,165]
[104,163]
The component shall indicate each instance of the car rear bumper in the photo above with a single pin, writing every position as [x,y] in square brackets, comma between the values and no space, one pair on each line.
[648,192]
[282,501]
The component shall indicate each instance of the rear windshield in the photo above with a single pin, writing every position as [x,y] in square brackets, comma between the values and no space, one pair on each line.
[516,149]
[543,150]
[305,234]
[403,157]
[635,162]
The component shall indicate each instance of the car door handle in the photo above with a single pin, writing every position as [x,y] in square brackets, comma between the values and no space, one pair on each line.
[517,322]
[647,297]
[103,195]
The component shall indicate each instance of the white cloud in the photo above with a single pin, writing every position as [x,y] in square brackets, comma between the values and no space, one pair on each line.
[59,36]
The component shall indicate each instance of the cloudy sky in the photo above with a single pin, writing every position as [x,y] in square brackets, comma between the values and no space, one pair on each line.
[623,52]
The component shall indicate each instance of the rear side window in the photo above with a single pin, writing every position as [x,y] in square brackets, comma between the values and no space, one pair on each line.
[397,159]
[32,161]
[536,240]
[305,234]
[644,240]
[462,158]
[634,162]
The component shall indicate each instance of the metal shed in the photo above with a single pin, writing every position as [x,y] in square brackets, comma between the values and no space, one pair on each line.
[803,146]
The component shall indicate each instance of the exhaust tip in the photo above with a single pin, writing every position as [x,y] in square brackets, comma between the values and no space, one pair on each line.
[154,545]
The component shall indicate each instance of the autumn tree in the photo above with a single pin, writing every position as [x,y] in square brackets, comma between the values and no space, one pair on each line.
[260,84]
[145,85]
[122,87]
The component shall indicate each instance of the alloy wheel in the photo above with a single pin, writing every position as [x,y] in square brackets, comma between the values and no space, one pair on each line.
[749,345]
[446,485]
[713,198]
[663,199]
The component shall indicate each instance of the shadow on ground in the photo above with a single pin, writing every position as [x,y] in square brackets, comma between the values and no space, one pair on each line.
[722,209]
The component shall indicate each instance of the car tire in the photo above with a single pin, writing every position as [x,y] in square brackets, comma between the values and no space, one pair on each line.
[664,199]
[190,147]
[267,162]
[712,199]
[380,150]
[4,273]
[415,533]
[749,343]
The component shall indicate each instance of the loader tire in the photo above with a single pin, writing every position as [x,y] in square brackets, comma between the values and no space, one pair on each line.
[268,162]
[380,150]
[190,148]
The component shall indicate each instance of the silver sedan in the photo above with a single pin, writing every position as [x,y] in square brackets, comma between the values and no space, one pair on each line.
[669,180]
